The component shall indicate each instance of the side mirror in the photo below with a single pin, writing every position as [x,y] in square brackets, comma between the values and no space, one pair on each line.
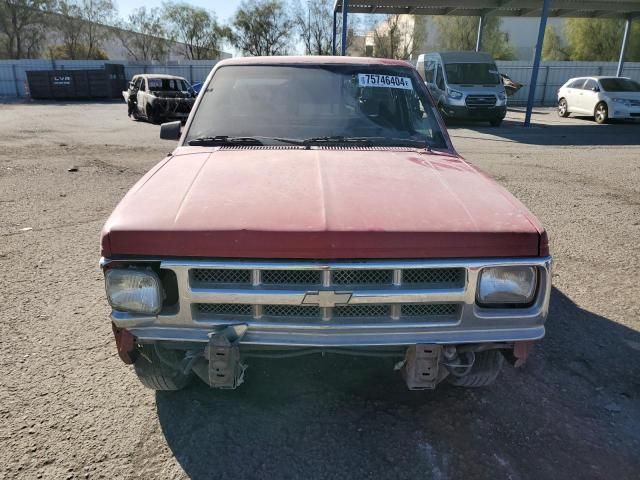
[171,130]
[595,89]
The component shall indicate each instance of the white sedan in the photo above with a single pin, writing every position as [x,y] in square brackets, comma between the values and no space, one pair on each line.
[603,98]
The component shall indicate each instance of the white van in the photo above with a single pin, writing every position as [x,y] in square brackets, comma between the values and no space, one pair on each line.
[465,85]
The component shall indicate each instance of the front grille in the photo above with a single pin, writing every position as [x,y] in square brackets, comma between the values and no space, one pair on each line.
[328,293]
[362,311]
[422,311]
[362,277]
[480,101]
[429,310]
[451,277]
[291,277]
[291,311]
[205,276]
[224,309]
[379,278]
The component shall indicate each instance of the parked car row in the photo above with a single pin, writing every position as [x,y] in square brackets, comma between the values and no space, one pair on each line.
[464,85]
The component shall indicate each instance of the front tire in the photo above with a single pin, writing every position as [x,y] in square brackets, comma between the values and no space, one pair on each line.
[486,368]
[601,113]
[159,369]
[496,122]
[563,108]
[153,116]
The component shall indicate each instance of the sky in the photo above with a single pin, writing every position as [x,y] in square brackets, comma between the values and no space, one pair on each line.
[224,9]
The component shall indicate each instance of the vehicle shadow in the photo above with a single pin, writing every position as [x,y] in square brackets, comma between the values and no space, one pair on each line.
[343,417]
[552,131]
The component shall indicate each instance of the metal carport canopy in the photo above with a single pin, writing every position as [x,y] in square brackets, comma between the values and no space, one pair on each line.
[625,9]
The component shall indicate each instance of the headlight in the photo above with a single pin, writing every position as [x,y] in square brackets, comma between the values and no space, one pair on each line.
[456,95]
[623,101]
[506,285]
[136,291]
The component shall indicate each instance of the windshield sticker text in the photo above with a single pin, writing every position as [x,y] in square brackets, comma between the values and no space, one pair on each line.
[386,81]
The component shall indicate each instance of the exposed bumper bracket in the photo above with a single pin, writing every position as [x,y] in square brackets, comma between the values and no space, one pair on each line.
[421,368]
[223,354]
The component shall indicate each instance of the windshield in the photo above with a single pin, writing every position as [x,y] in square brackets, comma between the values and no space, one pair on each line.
[371,105]
[619,85]
[472,73]
[167,85]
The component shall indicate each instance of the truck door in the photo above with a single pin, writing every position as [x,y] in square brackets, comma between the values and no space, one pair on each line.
[142,96]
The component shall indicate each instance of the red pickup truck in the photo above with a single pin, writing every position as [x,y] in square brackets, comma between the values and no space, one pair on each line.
[316,204]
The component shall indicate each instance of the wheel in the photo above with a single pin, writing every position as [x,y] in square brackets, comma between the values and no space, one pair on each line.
[159,369]
[496,122]
[601,113]
[563,108]
[153,116]
[485,370]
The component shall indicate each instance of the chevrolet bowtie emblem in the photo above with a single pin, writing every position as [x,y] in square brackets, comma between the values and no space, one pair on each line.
[326,298]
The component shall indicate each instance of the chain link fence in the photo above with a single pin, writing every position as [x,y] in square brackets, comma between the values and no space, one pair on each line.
[552,75]
[13,76]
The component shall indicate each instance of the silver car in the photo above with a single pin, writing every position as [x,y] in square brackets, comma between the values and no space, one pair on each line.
[464,85]
[603,98]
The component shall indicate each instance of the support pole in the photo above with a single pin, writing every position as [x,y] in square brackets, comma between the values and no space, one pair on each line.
[333,44]
[345,8]
[625,39]
[480,31]
[536,62]
[15,80]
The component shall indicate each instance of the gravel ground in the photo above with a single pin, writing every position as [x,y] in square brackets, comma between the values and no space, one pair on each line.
[70,409]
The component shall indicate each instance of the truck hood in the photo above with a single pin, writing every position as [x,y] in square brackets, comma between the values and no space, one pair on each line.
[324,203]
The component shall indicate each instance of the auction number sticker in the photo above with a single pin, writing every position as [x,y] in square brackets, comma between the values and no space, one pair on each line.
[386,81]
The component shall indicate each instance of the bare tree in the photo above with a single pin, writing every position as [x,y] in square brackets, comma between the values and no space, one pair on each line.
[21,27]
[71,26]
[355,42]
[144,35]
[96,14]
[196,28]
[262,27]
[399,36]
[314,21]
[83,25]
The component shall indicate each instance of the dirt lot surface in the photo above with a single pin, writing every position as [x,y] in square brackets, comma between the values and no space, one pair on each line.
[70,409]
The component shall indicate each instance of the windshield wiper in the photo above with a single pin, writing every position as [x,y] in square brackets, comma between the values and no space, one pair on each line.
[367,141]
[224,140]
[330,139]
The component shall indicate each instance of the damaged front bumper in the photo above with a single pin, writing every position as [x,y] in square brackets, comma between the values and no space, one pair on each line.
[249,308]
[172,107]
